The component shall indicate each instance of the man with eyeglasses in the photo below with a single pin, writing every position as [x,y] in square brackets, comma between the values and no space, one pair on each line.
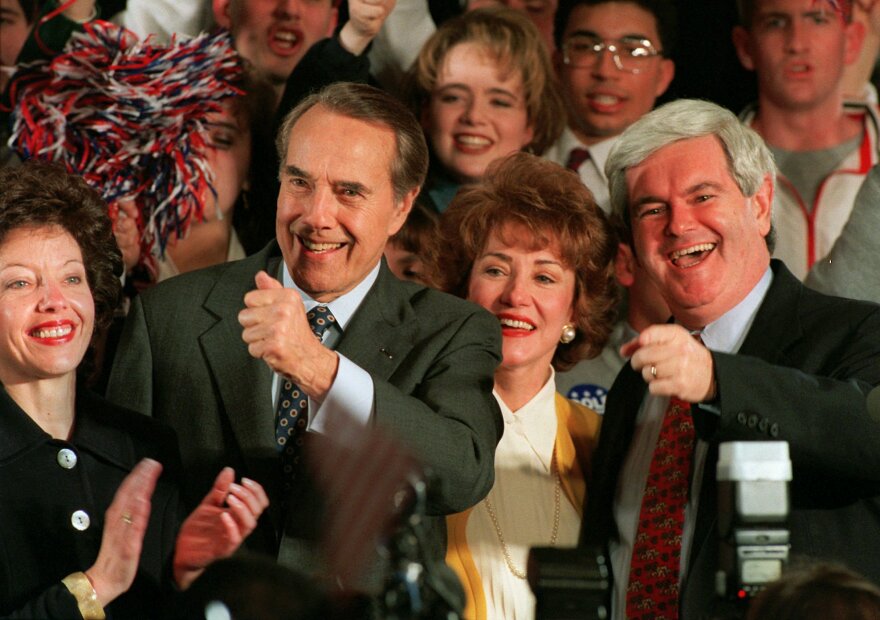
[612,62]
[823,147]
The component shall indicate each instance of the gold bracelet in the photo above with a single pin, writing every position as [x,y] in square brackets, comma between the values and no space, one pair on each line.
[85,595]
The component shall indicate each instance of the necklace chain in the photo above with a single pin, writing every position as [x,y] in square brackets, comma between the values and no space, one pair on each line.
[557,484]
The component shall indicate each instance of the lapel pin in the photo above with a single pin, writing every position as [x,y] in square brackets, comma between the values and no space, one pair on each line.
[387,353]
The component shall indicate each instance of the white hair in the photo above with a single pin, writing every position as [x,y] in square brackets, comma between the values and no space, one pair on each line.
[748,157]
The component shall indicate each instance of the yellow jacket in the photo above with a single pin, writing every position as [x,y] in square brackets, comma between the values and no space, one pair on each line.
[577,433]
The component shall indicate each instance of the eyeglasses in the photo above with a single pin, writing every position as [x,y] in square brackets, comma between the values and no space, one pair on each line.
[629,54]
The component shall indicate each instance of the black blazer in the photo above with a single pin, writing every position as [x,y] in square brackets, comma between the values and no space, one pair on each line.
[39,544]
[802,376]
[431,356]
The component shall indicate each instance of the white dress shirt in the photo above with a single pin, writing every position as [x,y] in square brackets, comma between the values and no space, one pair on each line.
[350,398]
[724,335]
[592,171]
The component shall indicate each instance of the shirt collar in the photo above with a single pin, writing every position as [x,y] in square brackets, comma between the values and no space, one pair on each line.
[598,151]
[727,333]
[344,306]
[531,418]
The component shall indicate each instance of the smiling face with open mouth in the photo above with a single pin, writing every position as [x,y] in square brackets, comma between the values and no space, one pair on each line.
[46,309]
[477,112]
[699,239]
[336,205]
[274,35]
[529,290]
[602,99]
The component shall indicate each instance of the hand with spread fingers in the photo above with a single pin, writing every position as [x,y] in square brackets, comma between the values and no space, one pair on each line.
[125,525]
[277,331]
[673,363]
[217,527]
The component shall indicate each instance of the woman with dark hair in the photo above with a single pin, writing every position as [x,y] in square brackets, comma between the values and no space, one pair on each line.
[483,86]
[530,245]
[89,526]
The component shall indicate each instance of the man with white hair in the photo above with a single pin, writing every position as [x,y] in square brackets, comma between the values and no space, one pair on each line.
[751,355]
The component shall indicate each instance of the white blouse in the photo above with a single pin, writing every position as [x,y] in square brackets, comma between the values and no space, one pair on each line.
[523,500]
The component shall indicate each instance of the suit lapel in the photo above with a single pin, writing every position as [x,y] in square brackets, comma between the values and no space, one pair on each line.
[765,339]
[381,333]
[618,426]
[243,382]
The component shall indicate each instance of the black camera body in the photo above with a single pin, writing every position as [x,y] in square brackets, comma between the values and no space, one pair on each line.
[569,584]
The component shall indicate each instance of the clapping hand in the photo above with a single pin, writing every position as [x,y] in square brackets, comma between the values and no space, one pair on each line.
[218,526]
[125,524]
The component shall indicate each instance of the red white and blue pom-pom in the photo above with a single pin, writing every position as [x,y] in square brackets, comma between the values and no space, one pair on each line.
[129,117]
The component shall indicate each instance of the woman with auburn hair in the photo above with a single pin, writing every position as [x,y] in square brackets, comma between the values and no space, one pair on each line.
[483,86]
[529,244]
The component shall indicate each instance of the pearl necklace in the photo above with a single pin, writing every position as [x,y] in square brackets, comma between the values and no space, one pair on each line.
[557,484]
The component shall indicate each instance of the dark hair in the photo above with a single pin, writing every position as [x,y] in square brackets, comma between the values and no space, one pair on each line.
[31,9]
[250,107]
[39,195]
[513,41]
[553,204]
[662,10]
[371,105]
[746,10]
[419,236]
[823,590]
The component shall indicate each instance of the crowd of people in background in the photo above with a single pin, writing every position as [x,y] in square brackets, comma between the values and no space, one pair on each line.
[530,260]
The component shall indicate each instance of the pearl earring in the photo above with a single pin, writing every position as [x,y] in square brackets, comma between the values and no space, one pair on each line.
[568,333]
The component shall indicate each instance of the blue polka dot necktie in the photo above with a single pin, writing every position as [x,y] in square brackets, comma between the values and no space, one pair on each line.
[293,406]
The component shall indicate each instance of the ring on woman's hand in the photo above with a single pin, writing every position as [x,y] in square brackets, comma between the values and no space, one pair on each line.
[654,371]
[127,518]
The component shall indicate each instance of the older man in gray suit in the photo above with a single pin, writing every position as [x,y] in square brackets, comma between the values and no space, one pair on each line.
[228,357]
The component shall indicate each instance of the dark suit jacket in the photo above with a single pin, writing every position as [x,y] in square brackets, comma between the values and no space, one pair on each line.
[802,376]
[38,544]
[431,357]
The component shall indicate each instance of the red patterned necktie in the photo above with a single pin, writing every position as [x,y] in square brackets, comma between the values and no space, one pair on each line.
[576,157]
[656,559]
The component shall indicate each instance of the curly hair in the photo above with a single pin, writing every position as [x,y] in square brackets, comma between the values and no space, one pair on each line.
[514,42]
[41,195]
[554,205]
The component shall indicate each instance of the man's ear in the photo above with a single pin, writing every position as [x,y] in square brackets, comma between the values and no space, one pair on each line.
[221,13]
[855,36]
[403,207]
[762,204]
[624,265]
[742,41]
[667,72]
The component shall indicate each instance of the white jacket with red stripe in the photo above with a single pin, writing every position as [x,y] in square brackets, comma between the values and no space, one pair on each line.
[804,235]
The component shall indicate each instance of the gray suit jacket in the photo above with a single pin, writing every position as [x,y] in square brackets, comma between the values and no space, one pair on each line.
[181,359]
